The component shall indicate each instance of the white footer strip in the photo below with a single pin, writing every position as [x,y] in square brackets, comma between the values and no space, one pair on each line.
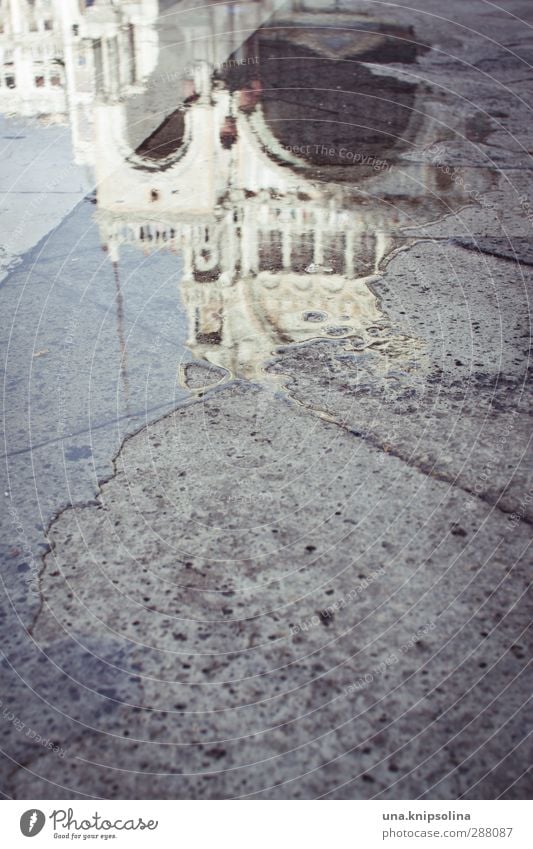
[268,825]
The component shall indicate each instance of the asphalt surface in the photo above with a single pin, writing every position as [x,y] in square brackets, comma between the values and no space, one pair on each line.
[268,537]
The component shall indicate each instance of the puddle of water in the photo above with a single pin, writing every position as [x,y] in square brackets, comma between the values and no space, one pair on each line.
[255,165]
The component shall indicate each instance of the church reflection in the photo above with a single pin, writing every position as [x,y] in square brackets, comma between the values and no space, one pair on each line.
[273,148]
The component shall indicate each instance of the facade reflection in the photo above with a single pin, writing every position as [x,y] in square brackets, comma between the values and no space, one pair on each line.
[276,159]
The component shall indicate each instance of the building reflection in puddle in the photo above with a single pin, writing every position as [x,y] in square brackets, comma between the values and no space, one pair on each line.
[280,160]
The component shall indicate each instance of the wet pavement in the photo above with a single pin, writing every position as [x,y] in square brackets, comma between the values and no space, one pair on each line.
[267,485]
